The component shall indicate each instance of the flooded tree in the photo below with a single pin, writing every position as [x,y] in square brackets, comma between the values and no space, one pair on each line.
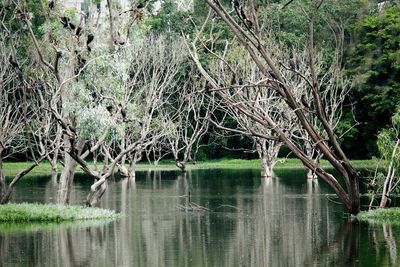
[20,120]
[248,31]
[386,183]
[245,78]
[189,120]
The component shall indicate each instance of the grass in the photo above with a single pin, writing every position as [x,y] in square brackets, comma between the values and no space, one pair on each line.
[380,216]
[26,212]
[12,168]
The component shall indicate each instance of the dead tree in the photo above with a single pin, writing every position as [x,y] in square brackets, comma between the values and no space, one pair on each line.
[189,122]
[146,93]
[132,109]
[19,114]
[238,70]
[254,40]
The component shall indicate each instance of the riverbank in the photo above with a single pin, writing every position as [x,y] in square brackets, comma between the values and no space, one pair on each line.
[26,212]
[12,168]
[389,216]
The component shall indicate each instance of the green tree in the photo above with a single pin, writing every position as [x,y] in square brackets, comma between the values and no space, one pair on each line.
[375,65]
[388,143]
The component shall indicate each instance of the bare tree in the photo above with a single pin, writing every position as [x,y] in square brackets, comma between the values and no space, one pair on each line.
[147,91]
[237,69]
[190,122]
[249,34]
[18,115]
[145,76]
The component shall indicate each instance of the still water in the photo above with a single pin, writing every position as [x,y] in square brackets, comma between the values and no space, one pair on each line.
[284,221]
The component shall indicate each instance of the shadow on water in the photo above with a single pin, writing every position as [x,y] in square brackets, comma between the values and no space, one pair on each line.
[282,221]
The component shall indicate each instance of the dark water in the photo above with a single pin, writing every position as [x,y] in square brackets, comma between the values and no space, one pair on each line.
[283,221]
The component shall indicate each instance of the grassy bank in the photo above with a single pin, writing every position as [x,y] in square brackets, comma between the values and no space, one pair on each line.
[25,212]
[390,215]
[12,168]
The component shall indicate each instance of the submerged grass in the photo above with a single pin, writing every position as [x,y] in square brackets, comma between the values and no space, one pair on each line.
[27,212]
[387,216]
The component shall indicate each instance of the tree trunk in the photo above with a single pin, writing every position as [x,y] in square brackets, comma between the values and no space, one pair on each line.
[95,195]
[268,153]
[311,174]
[66,179]
[95,156]
[266,168]
[53,164]
[132,171]
[387,186]
[123,171]
[181,165]
[2,177]
[310,152]
[67,174]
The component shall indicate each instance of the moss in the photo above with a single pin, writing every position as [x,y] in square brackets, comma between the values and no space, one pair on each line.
[26,212]
[387,216]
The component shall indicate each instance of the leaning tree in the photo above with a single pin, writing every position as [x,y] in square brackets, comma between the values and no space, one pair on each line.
[244,23]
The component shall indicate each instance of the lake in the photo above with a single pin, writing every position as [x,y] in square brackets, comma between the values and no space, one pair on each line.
[246,221]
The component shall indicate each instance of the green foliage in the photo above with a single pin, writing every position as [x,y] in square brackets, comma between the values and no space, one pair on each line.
[387,140]
[51,213]
[94,122]
[375,64]
[169,19]
[290,25]
[387,216]
[389,150]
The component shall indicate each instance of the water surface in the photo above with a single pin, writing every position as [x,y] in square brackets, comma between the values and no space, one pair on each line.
[284,221]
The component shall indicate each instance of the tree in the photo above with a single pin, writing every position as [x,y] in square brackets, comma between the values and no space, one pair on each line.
[144,80]
[248,32]
[374,62]
[238,69]
[388,144]
[19,105]
[189,120]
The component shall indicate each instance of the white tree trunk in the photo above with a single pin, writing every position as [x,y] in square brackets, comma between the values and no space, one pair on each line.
[132,171]
[266,168]
[311,174]
[268,152]
[387,186]
[54,168]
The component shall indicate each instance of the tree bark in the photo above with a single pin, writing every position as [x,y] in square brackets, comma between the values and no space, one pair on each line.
[389,179]
[266,168]
[132,171]
[181,165]
[2,177]
[268,152]
[311,174]
[66,179]
[95,196]
[67,174]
